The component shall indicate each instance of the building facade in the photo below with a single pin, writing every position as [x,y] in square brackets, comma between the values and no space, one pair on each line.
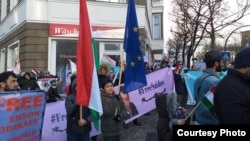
[245,39]
[42,34]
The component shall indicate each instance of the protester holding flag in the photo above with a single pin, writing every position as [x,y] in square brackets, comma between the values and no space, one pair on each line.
[232,95]
[78,129]
[114,112]
[8,81]
[88,93]
[204,83]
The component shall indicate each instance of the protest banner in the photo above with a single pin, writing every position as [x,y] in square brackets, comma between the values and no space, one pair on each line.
[54,126]
[21,115]
[44,83]
[144,98]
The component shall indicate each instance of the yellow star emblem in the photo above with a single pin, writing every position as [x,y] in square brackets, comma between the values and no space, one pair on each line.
[135,29]
[132,63]
[139,58]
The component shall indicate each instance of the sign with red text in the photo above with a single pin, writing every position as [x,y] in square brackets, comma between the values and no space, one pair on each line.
[21,115]
[71,30]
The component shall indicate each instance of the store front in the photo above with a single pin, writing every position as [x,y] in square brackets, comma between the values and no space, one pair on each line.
[63,44]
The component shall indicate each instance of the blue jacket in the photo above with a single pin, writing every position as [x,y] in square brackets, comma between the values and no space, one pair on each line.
[202,85]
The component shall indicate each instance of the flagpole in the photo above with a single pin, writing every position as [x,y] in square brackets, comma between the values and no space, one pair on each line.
[196,106]
[120,75]
[80,111]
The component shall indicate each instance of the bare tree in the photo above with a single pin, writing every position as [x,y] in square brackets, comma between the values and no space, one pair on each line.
[221,16]
[191,24]
[199,20]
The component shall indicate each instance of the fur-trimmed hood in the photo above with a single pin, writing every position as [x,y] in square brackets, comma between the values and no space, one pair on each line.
[103,66]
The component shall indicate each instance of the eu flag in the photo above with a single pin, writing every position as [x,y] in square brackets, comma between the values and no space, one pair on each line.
[135,76]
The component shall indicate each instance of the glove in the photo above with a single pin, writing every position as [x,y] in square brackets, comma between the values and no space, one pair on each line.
[117,118]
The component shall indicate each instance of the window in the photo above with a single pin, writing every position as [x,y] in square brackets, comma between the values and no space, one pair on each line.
[65,50]
[112,47]
[13,54]
[0,10]
[61,50]
[8,6]
[2,60]
[157,26]
[113,50]
[117,1]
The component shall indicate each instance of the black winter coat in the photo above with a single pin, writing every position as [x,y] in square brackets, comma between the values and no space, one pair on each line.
[180,85]
[232,99]
[73,115]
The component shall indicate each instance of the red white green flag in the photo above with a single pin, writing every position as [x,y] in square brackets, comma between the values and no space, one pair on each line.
[88,93]
[108,61]
[72,67]
[208,100]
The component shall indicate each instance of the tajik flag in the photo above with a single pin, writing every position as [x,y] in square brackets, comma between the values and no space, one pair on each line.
[208,100]
[88,93]
[72,66]
[109,61]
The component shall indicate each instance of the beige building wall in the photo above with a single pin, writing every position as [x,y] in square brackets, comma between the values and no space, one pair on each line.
[32,39]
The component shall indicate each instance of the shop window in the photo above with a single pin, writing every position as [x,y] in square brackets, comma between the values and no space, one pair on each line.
[60,53]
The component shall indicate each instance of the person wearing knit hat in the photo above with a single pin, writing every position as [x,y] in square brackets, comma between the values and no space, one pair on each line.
[242,59]
[202,85]
[232,95]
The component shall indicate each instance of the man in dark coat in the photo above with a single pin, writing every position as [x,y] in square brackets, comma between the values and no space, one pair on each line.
[232,95]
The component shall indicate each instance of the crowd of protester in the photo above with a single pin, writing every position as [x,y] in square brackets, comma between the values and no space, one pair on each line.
[231,99]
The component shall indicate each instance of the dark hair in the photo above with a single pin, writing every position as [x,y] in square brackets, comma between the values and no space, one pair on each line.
[26,73]
[106,82]
[69,73]
[5,75]
[210,64]
[52,81]
[211,57]
[73,77]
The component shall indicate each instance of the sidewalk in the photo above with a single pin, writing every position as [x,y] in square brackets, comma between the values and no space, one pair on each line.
[139,133]
[146,132]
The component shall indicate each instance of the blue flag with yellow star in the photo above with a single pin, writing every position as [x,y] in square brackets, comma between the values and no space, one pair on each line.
[134,74]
